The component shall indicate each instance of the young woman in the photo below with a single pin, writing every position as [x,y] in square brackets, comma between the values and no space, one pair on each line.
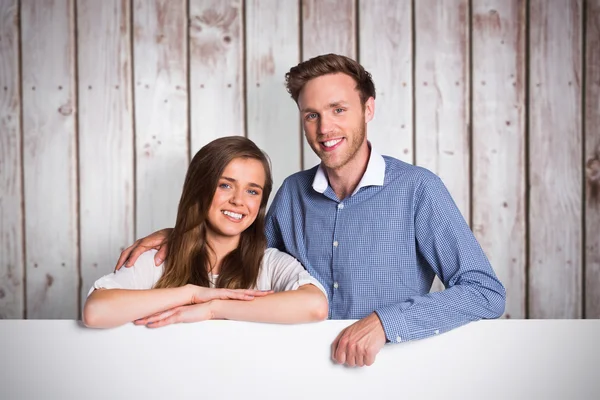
[218,265]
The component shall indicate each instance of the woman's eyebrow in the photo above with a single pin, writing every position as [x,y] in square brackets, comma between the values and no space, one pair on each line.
[235,180]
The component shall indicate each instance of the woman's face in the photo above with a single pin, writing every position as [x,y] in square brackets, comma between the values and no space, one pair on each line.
[237,198]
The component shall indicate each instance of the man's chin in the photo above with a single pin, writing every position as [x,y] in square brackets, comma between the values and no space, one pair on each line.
[331,164]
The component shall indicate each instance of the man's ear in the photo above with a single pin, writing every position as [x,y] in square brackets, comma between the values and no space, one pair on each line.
[369,109]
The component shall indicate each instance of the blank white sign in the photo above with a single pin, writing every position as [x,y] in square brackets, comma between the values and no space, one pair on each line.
[500,359]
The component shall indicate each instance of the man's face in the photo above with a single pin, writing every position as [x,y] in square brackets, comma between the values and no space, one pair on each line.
[334,119]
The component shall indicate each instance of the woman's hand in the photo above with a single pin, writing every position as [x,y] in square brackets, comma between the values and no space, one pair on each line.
[200,294]
[192,313]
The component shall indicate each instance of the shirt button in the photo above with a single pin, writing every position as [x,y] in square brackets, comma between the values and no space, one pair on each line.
[335,244]
[341,206]
[437,331]
[335,285]
[398,339]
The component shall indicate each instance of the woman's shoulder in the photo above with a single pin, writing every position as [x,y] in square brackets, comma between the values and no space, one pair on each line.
[145,266]
[273,256]
[146,258]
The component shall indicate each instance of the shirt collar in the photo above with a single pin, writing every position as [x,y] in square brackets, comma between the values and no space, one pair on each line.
[373,176]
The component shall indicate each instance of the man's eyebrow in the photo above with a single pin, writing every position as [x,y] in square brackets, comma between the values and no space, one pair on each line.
[333,104]
[252,184]
[336,104]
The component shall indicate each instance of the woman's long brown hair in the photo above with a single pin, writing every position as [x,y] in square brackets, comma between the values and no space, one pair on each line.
[188,259]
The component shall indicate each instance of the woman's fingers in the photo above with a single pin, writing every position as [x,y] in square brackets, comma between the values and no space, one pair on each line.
[241,294]
[195,313]
[156,317]
[203,294]
[171,319]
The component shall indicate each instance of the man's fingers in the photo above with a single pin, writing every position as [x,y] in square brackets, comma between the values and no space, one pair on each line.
[135,253]
[351,354]
[161,255]
[351,361]
[359,359]
[124,256]
[341,352]
[370,359]
[334,345]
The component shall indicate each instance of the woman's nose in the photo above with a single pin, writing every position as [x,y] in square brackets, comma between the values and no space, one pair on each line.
[236,197]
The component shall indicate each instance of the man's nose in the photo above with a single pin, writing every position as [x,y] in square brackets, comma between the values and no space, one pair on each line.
[325,125]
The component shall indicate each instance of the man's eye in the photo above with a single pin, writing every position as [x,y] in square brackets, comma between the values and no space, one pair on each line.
[311,116]
[339,110]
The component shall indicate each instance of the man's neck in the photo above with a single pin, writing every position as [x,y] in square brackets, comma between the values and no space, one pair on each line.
[345,179]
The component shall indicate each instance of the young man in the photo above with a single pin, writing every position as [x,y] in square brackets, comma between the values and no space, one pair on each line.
[372,229]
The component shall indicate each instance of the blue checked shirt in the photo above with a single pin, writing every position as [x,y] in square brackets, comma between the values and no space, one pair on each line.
[380,249]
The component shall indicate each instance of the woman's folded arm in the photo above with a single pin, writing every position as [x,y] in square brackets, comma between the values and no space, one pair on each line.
[306,304]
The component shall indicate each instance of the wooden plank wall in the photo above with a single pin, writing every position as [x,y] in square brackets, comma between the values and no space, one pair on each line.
[591,122]
[12,290]
[555,143]
[102,104]
[498,142]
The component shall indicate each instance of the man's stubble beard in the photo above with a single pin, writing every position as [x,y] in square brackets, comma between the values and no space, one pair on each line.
[358,139]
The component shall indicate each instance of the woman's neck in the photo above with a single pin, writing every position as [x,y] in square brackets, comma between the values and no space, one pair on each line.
[219,247]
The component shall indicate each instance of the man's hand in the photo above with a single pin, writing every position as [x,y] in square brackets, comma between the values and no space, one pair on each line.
[157,240]
[193,313]
[358,344]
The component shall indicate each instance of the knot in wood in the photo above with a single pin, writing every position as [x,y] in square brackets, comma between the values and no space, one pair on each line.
[65,109]
[593,170]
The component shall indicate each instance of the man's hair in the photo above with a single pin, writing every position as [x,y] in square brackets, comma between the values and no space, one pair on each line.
[329,64]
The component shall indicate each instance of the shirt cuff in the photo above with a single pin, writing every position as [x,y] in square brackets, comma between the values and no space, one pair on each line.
[394,324]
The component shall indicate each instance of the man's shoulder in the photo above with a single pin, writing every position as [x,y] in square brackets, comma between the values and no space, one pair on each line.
[300,179]
[395,168]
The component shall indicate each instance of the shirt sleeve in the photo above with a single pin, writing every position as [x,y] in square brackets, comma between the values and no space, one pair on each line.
[142,275]
[445,244]
[286,273]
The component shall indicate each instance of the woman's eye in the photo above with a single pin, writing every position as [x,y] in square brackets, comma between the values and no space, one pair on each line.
[224,185]
[253,192]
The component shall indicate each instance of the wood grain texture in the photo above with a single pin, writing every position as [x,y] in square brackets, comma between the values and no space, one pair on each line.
[105,135]
[441,96]
[498,185]
[555,159]
[271,50]
[12,301]
[49,158]
[328,26]
[161,111]
[216,35]
[386,52]
[442,89]
[592,160]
